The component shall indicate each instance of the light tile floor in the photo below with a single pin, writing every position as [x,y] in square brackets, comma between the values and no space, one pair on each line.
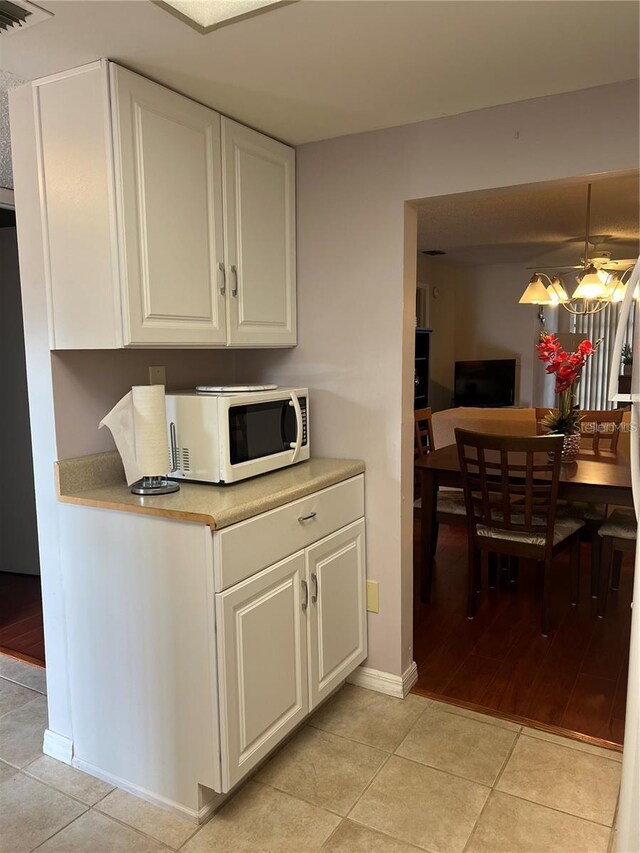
[368,774]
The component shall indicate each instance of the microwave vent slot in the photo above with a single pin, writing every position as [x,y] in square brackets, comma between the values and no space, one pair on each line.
[186,462]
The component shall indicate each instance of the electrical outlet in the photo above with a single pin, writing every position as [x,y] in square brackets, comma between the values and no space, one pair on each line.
[157,376]
[373,596]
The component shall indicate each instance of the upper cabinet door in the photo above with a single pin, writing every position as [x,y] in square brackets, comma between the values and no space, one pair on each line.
[336,571]
[259,198]
[168,182]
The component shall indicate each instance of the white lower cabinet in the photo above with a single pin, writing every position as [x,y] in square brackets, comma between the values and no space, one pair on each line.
[337,620]
[262,650]
[192,655]
[287,637]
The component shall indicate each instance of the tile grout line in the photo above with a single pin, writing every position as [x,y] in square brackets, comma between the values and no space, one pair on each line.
[24,704]
[553,809]
[493,788]
[506,761]
[140,831]
[524,799]
[369,784]
[296,797]
[62,828]
[331,834]
[334,734]
[440,770]
[20,684]
[33,778]
[575,748]
[417,847]
[445,706]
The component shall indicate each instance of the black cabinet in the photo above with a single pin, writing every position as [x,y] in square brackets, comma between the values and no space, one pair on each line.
[421,375]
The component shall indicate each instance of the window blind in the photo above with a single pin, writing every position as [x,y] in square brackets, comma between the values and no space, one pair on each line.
[594,384]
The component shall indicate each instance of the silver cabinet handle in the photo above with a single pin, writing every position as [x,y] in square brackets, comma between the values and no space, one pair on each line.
[223,286]
[303,518]
[174,447]
[314,581]
[234,289]
[305,600]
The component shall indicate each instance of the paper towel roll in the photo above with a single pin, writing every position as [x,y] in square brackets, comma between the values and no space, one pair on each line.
[150,429]
[138,424]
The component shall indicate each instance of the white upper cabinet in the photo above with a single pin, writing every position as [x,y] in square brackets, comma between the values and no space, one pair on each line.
[153,235]
[169,191]
[72,153]
[259,199]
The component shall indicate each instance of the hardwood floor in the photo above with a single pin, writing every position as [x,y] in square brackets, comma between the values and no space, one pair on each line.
[574,680]
[21,626]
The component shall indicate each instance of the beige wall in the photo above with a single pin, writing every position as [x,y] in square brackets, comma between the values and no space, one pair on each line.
[491,323]
[353,276]
[88,383]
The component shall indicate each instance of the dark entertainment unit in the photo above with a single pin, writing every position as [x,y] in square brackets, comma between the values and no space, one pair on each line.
[421,372]
[488,383]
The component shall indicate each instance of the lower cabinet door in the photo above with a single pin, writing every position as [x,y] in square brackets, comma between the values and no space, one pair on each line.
[337,626]
[262,651]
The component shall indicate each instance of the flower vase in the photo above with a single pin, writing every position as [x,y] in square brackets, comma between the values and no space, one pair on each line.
[571,440]
[571,447]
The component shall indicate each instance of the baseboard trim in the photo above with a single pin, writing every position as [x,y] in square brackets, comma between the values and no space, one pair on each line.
[194,815]
[57,746]
[385,682]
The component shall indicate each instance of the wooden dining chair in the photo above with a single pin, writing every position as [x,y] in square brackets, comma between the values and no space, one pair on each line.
[451,505]
[423,437]
[601,428]
[541,413]
[511,493]
[618,534]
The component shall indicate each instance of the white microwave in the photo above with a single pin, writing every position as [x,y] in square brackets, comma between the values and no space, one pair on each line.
[223,437]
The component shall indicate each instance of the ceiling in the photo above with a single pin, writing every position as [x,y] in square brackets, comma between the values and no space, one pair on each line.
[543,223]
[312,70]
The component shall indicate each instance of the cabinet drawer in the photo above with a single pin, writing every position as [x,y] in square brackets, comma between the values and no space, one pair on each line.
[245,548]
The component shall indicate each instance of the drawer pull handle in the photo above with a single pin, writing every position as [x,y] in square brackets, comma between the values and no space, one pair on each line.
[314,581]
[305,600]
[303,518]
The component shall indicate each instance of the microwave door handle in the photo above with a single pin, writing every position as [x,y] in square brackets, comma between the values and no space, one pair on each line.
[174,447]
[297,444]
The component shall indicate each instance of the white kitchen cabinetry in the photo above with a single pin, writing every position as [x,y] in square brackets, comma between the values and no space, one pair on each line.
[153,235]
[263,652]
[288,637]
[259,197]
[205,655]
[337,622]
[169,193]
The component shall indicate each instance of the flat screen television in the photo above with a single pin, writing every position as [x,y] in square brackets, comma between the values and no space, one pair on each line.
[485,383]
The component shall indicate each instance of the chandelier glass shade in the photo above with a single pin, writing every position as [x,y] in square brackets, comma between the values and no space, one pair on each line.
[596,286]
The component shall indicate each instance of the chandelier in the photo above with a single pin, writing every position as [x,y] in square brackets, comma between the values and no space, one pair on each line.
[598,285]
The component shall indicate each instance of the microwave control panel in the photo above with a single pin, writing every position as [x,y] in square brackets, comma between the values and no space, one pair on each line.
[303,411]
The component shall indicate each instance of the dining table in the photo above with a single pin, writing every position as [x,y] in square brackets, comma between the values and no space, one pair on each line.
[601,477]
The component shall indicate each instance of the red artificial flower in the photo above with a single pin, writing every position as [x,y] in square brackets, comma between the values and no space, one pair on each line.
[567,367]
